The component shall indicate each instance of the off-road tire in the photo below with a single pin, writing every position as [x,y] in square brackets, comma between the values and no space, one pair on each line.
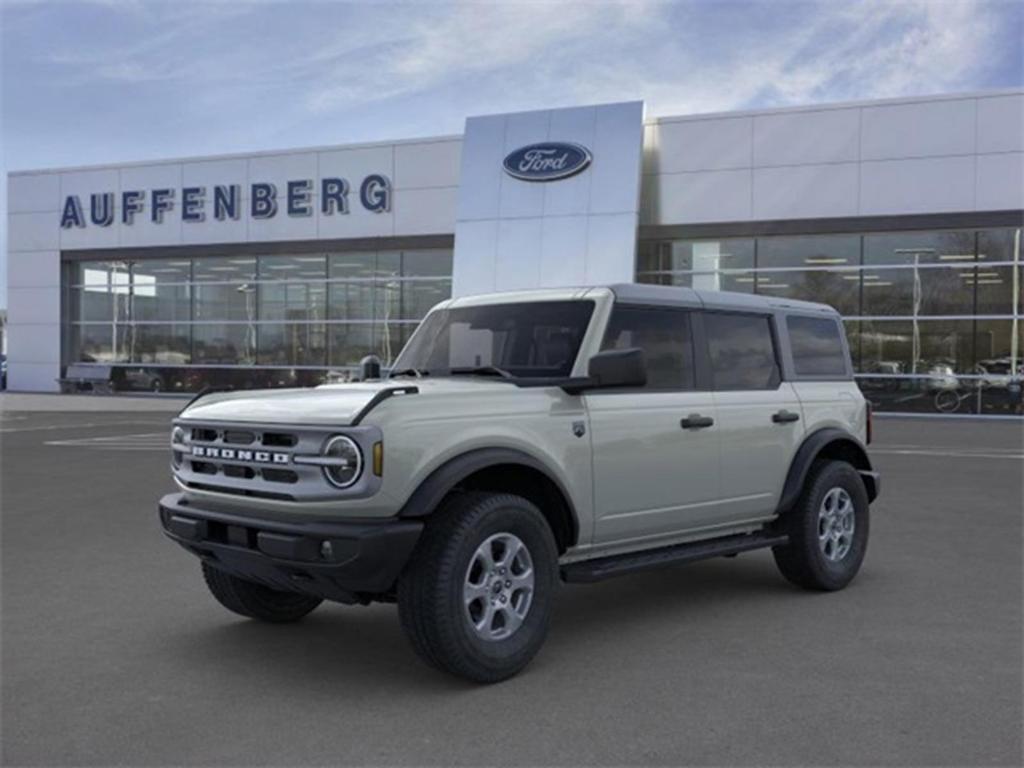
[430,589]
[802,561]
[256,601]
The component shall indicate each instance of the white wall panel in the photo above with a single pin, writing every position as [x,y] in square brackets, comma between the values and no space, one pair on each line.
[805,191]
[210,230]
[285,227]
[618,147]
[930,185]
[570,197]
[209,173]
[522,198]
[280,169]
[480,170]
[33,192]
[704,145]
[33,377]
[826,136]
[1000,182]
[426,211]
[33,231]
[33,269]
[427,164]
[704,196]
[563,260]
[519,253]
[33,305]
[611,249]
[84,183]
[1001,124]
[475,272]
[32,343]
[918,129]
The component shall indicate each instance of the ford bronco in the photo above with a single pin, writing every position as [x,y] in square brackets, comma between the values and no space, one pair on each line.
[522,439]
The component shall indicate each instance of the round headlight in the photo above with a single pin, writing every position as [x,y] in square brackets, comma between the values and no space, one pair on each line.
[346,462]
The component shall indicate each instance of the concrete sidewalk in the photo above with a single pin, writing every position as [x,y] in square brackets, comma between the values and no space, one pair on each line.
[36,402]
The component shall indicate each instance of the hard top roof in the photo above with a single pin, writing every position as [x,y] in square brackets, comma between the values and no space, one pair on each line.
[666,295]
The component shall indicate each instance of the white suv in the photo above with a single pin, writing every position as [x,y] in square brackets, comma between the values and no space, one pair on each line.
[527,438]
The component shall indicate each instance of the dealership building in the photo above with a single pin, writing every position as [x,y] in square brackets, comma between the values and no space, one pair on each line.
[286,268]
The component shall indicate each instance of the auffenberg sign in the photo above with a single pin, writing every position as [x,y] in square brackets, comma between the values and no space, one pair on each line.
[224,201]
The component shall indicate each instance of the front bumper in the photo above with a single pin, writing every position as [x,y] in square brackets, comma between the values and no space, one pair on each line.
[363,558]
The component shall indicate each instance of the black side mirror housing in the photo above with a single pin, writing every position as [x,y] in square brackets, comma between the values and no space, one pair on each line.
[369,368]
[618,368]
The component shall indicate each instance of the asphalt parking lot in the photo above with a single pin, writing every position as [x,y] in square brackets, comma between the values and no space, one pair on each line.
[113,653]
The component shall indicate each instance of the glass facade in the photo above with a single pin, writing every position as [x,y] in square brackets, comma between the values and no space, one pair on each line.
[254,320]
[934,318]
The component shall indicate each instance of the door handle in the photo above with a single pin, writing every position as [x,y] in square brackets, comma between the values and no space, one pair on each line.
[784,417]
[696,421]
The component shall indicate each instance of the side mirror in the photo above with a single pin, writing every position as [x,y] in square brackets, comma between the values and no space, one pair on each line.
[618,368]
[369,368]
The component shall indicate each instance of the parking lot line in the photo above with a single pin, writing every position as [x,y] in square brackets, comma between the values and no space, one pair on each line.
[145,441]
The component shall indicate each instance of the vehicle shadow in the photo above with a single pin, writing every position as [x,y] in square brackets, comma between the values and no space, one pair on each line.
[364,646]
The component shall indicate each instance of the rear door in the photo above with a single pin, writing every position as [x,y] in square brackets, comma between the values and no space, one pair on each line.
[759,414]
[655,449]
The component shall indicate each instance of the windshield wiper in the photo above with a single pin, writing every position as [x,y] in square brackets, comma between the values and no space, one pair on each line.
[482,370]
[409,372]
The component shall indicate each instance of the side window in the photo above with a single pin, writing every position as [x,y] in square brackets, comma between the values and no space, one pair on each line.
[817,346]
[742,351]
[663,335]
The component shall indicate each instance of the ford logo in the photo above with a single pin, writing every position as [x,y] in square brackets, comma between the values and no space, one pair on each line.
[547,162]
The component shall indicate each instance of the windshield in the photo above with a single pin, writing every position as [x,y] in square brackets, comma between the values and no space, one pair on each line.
[537,339]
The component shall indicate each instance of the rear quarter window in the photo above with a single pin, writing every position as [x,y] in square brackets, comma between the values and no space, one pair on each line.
[817,346]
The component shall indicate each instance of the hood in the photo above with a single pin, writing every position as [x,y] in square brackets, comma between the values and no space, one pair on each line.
[329,404]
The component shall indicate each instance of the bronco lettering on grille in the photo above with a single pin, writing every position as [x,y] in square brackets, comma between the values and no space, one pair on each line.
[233,454]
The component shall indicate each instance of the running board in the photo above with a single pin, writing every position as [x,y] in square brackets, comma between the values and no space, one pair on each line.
[616,565]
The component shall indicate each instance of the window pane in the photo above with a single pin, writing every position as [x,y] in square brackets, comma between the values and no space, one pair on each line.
[663,335]
[101,275]
[153,271]
[817,346]
[427,263]
[233,301]
[808,251]
[694,255]
[742,351]
[98,303]
[297,267]
[229,344]
[919,248]
[942,347]
[225,268]
[292,301]
[169,344]
[99,343]
[840,290]
[995,288]
[412,299]
[349,343]
[355,265]
[291,344]
[351,301]
[926,291]
[161,301]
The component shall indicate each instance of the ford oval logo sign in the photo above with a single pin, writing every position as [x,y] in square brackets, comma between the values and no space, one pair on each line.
[547,162]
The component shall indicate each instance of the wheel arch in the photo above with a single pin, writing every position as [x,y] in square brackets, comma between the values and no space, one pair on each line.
[501,470]
[828,443]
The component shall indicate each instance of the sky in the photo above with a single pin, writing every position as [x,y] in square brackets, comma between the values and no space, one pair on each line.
[100,81]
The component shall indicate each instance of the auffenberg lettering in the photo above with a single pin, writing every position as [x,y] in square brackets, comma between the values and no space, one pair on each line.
[297,198]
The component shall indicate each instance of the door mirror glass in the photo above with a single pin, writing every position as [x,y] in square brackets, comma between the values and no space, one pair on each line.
[618,368]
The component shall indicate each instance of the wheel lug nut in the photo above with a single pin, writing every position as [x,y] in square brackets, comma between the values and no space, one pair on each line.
[502,599]
[508,585]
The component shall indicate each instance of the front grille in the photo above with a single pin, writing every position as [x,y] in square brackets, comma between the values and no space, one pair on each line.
[250,461]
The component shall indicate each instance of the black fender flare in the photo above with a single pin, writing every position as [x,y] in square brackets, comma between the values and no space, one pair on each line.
[811,448]
[439,483]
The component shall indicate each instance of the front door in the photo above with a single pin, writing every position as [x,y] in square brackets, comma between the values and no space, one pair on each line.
[656,449]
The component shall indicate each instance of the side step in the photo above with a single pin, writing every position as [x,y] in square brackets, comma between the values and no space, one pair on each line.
[616,565]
